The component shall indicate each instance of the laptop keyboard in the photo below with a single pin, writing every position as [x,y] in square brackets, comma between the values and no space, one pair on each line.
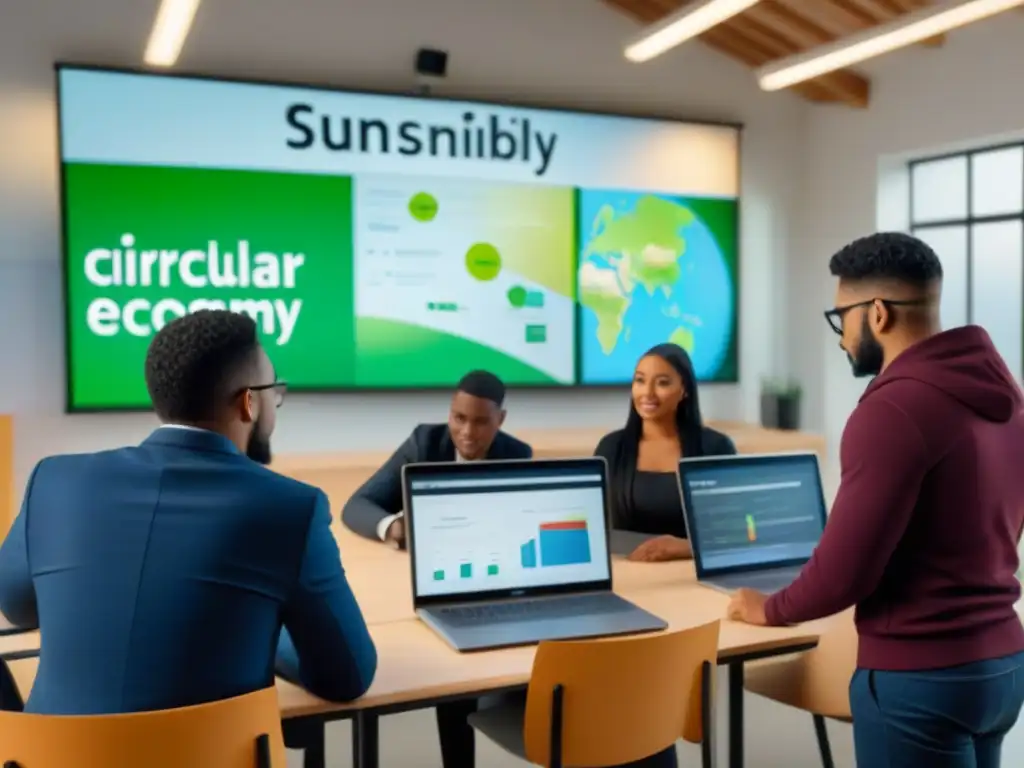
[567,607]
[771,581]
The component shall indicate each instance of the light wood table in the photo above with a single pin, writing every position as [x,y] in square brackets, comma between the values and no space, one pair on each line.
[418,670]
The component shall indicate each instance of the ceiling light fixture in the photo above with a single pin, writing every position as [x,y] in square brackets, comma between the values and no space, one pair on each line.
[911,28]
[685,24]
[173,21]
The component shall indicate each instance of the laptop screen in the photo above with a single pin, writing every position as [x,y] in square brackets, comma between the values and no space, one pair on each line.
[751,512]
[506,528]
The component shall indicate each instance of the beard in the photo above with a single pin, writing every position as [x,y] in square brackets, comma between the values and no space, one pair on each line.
[258,448]
[869,356]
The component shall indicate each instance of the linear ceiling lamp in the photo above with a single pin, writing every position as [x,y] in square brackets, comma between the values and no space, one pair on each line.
[686,23]
[911,28]
[173,22]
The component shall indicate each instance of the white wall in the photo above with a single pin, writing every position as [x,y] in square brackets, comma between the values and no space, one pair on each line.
[565,53]
[922,101]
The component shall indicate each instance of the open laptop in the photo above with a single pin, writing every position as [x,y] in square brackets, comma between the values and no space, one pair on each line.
[514,552]
[753,520]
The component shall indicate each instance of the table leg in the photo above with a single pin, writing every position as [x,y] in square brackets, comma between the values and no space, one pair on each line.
[736,715]
[307,735]
[365,741]
[315,753]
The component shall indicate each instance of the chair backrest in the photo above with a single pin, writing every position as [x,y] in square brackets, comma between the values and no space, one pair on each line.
[242,732]
[622,699]
[824,682]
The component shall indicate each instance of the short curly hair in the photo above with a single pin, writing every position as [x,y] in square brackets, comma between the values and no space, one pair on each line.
[194,361]
[888,256]
[483,384]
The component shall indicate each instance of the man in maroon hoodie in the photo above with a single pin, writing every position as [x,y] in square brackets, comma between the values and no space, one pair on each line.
[924,530]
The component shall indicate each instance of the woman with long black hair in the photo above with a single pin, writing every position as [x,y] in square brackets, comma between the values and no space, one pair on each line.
[664,424]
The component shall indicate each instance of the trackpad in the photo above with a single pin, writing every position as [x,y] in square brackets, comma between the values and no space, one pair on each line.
[529,631]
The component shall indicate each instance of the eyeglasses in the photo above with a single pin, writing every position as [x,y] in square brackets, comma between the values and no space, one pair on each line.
[279,387]
[835,316]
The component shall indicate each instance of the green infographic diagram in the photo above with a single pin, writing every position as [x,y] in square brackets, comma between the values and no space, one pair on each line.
[467,274]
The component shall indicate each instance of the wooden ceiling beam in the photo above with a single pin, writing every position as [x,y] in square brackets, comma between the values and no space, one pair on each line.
[840,86]
[834,19]
[735,46]
[799,34]
[730,44]
[915,5]
[775,29]
[882,11]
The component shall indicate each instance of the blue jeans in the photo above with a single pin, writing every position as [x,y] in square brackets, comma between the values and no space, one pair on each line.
[941,718]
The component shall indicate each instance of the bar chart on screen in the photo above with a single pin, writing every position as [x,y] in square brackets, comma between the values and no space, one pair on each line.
[563,542]
[468,568]
[535,538]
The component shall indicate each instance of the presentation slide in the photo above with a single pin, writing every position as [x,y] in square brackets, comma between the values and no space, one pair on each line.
[516,540]
[388,242]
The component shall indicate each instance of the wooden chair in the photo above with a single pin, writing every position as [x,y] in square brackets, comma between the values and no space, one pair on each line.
[610,702]
[817,682]
[243,732]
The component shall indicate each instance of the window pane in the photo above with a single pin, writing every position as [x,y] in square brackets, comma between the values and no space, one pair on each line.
[950,243]
[939,189]
[997,182]
[997,274]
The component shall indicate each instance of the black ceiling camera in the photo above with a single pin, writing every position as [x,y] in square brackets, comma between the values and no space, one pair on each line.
[431,65]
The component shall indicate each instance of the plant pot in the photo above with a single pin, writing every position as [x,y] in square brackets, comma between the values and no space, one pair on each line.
[780,411]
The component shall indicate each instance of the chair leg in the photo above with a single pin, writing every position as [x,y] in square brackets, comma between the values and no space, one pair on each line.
[708,745]
[315,754]
[823,746]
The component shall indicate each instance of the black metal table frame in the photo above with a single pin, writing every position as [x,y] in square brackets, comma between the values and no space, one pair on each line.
[365,722]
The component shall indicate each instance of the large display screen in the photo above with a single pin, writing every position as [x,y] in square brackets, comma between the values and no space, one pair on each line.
[389,242]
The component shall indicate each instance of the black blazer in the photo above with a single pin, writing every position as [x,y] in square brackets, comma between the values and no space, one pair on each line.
[713,443]
[381,495]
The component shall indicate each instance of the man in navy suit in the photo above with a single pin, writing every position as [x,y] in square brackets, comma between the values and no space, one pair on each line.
[473,433]
[163,573]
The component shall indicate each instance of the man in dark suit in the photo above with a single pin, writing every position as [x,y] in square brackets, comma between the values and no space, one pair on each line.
[163,573]
[473,432]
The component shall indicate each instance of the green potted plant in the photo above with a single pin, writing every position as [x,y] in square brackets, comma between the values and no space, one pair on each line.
[780,404]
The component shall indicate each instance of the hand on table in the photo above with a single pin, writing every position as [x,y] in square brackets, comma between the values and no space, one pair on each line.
[661,549]
[396,533]
[747,606]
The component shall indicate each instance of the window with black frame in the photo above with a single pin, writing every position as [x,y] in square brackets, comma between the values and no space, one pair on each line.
[969,207]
